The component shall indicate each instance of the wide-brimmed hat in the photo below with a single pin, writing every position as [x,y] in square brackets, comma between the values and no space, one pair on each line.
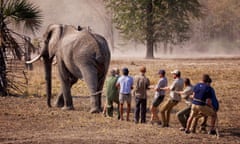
[177,72]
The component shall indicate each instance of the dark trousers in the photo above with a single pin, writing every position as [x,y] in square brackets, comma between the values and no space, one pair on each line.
[141,105]
[183,115]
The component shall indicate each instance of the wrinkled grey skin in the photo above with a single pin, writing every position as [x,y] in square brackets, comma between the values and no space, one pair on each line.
[79,54]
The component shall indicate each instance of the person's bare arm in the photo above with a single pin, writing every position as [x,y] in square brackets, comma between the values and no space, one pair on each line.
[117,85]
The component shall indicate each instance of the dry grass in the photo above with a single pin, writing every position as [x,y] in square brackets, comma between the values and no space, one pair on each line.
[28,120]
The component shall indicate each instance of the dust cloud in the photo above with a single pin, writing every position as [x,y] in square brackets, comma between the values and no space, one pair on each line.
[92,13]
[74,12]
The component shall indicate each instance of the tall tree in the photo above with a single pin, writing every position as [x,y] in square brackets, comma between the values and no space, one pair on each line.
[20,13]
[222,21]
[154,21]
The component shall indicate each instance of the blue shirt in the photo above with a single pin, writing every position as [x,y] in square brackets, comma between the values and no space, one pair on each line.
[201,93]
[161,84]
[126,83]
[214,100]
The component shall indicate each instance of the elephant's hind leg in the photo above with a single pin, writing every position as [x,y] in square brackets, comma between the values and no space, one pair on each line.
[101,79]
[90,77]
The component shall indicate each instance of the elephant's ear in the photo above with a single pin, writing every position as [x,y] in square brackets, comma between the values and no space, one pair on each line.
[53,36]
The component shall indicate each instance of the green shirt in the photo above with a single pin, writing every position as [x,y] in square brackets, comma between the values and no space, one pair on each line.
[112,90]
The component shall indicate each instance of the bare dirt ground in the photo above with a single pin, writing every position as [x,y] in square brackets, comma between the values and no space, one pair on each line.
[27,119]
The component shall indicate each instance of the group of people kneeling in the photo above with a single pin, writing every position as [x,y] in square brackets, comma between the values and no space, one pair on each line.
[200,99]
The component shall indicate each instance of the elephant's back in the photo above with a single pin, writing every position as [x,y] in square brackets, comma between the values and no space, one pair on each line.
[80,43]
[86,44]
[103,45]
[103,48]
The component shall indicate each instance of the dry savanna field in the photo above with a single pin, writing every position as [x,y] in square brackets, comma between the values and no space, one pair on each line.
[27,119]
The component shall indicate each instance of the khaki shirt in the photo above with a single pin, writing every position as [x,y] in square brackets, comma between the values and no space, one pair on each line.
[187,92]
[176,86]
[141,85]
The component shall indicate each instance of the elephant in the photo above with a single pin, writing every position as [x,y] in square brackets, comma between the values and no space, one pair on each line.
[79,54]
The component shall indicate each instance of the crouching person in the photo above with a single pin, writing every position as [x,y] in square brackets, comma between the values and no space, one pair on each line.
[186,94]
[215,107]
[201,104]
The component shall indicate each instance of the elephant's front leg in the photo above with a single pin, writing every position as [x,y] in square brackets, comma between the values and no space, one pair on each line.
[60,100]
[68,103]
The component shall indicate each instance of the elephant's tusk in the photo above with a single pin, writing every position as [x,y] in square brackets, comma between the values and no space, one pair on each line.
[33,60]
[54,62]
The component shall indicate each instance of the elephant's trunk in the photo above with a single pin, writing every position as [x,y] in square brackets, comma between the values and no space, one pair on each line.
[48,78]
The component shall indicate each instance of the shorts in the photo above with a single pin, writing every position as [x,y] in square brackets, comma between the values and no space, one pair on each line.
[125,97]
[204,110]
[157,100]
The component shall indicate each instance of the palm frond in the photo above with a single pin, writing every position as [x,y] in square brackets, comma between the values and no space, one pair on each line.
[24,12]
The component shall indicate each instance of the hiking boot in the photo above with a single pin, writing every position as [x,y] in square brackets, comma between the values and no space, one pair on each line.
[143,121]
[187,132]
[118,117]
[159,123]
[212,132]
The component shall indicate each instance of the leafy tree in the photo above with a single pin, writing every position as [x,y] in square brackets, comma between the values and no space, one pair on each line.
[22,14]
[222,20]
[154,21]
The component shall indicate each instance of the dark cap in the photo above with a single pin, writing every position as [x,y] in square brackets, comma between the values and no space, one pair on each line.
[161,72]
[125,71]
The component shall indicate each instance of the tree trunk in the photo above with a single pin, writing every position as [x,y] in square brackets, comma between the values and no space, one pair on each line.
[149,52]
[165,47]
[3,76]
